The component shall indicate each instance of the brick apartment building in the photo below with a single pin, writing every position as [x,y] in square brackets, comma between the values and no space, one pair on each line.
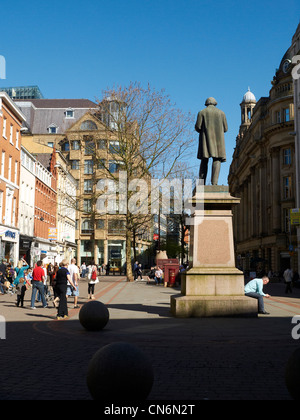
[11,119]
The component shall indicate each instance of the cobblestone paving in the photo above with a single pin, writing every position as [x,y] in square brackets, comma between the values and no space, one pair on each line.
[193,359]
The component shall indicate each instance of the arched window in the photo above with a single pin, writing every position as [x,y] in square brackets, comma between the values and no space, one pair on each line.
[88,125]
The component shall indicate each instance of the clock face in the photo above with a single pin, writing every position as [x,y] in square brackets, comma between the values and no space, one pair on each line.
[285,66]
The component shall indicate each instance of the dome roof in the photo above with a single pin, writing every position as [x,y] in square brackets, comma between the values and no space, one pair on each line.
[249,97]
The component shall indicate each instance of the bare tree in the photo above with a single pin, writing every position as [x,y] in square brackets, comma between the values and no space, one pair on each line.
[149,135]
[145,136]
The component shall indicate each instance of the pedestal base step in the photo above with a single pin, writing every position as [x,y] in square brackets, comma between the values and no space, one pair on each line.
[213,306]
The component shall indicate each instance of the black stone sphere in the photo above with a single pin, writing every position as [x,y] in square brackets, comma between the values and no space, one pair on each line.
[292,375]
[120,372]
[94,315]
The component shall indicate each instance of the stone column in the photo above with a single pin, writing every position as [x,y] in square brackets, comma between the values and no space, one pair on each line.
[276,189]
[78,252]
[105,251]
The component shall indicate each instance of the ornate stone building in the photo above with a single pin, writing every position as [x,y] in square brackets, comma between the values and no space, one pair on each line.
[263,175]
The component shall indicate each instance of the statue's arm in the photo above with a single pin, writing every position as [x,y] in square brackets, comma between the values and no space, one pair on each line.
[199,122]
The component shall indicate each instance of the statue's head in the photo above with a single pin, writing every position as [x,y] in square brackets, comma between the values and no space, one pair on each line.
[211,101]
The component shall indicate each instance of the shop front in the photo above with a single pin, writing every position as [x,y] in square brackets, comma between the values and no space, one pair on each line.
[43,250]
[117,254]
[9,245]
[25,248]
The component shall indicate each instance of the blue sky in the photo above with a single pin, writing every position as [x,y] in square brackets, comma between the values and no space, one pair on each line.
[192,48]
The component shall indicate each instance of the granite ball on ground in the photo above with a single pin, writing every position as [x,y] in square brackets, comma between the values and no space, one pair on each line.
[292,375]
[94,316]
[120,372]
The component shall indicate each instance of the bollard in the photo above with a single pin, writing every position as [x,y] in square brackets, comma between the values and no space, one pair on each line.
[292,375]
[120,372]
[94,316]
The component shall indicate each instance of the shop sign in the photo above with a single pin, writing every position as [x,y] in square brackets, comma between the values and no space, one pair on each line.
[8,234]
[52,234]
[295,217]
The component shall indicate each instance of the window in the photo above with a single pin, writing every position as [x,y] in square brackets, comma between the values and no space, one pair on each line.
[9,168]
[75,164]
[114,146]
[101,163]
[88,186]
[1,205]
[69,113]
[286,114]
[50,144]
[89,148]
[101,144]
[278,117]
[88,167]
[114,166]
[100,224]
[117,227]
[287,187]
[286,221]
[2,164]
[11,132]
[76,145]
[4,128]
[287,157]
[52,129]
[88,125]
[65,147]
[87,205]
[17,139]
[16,172]
[87,226]
[14,212]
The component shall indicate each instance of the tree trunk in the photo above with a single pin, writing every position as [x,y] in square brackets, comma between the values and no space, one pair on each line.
[128,255]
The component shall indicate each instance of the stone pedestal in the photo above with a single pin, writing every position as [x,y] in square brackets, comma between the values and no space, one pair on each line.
[213,286]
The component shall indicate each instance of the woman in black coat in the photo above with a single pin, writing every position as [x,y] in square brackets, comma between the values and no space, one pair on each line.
[61,283]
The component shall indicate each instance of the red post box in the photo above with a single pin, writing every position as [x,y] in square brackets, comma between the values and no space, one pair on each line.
[171,273]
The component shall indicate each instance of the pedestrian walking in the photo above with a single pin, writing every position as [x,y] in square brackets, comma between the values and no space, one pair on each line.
[288,278]
[254,289]
[53,285]
[138,272]
[19,270]
[74,273]
[107,268]
[61,283]
[83,270]
[21,290]
[2,282]
[38,278]
[91,285]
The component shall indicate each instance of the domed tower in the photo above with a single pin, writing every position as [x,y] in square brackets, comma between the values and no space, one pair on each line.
[247,106]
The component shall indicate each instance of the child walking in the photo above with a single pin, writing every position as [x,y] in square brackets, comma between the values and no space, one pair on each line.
[21,290]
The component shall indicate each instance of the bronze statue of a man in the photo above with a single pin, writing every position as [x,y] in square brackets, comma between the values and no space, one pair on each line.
[211,125]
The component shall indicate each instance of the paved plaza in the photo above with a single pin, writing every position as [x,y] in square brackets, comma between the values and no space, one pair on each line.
[193,359]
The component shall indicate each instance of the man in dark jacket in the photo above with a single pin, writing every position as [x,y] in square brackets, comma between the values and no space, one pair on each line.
[61,283]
